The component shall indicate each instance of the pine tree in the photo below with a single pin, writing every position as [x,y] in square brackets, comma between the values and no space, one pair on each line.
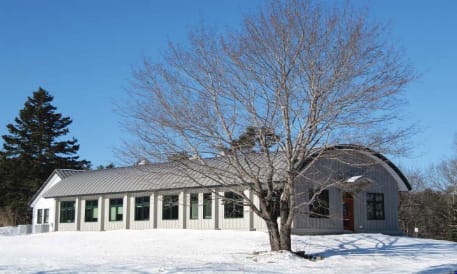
[33,149]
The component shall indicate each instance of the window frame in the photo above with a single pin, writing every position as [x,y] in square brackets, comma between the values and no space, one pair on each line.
[375,208]
[193,206]
[39,216]
[320,207]
[142,208]
[233,205]
[170,207]
[67,212]
[207,205]
[46,216]
[90,210]
[114,204]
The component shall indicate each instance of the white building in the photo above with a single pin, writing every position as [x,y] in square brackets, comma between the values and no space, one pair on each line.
[44,209]
[154,196]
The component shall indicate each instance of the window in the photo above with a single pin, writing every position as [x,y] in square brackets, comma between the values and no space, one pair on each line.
[67,212]
[233,205]
[39,216]
[170,207]
[142,208]
[193,206]
[46,216]
[207,205]
[319,208]
[375,206]
[91,211]
[115,209]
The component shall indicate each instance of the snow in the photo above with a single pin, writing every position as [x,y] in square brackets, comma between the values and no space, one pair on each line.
[199,251]
[353,179]
[9,230]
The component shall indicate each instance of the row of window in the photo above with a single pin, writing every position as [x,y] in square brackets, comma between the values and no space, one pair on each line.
[42,216]
[319,208]
[233,208]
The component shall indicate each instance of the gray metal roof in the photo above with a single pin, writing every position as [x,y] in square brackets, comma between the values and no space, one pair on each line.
[62,173]
[158,176]
[162,176]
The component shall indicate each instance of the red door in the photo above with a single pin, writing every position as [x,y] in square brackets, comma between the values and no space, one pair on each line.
[348,211]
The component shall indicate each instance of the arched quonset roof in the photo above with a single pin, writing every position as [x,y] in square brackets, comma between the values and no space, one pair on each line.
[403,183]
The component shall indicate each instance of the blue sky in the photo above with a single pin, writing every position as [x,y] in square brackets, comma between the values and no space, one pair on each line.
[83,53]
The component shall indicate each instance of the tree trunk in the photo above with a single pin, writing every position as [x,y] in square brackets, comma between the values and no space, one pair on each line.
[273,232]
[286,242]
[286,213]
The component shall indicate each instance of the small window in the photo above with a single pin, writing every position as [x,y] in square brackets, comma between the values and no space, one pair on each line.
[39,216]
[46,216]
[170,207]
[116,209]
[207,205]
[67,211]
[142,208]
[375,206]
[193,206]
[91,211]
[319,208]
[233,205]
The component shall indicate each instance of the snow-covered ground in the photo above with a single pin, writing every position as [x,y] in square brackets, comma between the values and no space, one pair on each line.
[192,251]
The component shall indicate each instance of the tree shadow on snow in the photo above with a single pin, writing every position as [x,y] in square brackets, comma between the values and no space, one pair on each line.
[386,246]
[445,268]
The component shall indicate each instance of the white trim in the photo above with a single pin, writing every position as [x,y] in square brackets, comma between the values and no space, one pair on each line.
[401,185]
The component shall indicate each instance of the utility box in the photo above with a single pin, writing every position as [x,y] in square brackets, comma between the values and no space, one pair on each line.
[41,228]
[24,229]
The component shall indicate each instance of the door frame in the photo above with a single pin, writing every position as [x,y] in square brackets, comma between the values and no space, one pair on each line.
[348,212]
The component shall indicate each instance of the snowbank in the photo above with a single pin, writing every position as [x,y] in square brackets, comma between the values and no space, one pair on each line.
[192,251]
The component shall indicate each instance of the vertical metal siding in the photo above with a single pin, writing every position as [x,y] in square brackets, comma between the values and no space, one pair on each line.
[146,224]
[88,226]
[170,223]
[113,225]
[343,165]
[66,226]
[200,222]
[233,223]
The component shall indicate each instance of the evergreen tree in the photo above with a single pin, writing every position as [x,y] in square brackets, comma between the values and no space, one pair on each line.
[256,139]
[108,166]
[33,149]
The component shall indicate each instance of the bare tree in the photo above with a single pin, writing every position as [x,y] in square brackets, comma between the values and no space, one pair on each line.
[447,183]
[310,75]
[432,206]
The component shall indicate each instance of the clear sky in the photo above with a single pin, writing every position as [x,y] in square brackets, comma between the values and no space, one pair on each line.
[83,53]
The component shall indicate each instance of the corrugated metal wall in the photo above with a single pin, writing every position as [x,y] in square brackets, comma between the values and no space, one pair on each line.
[113,225]
[143,224]
[201,222]
[342,165]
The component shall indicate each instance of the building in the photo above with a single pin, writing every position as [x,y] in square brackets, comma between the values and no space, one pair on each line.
[363,197]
